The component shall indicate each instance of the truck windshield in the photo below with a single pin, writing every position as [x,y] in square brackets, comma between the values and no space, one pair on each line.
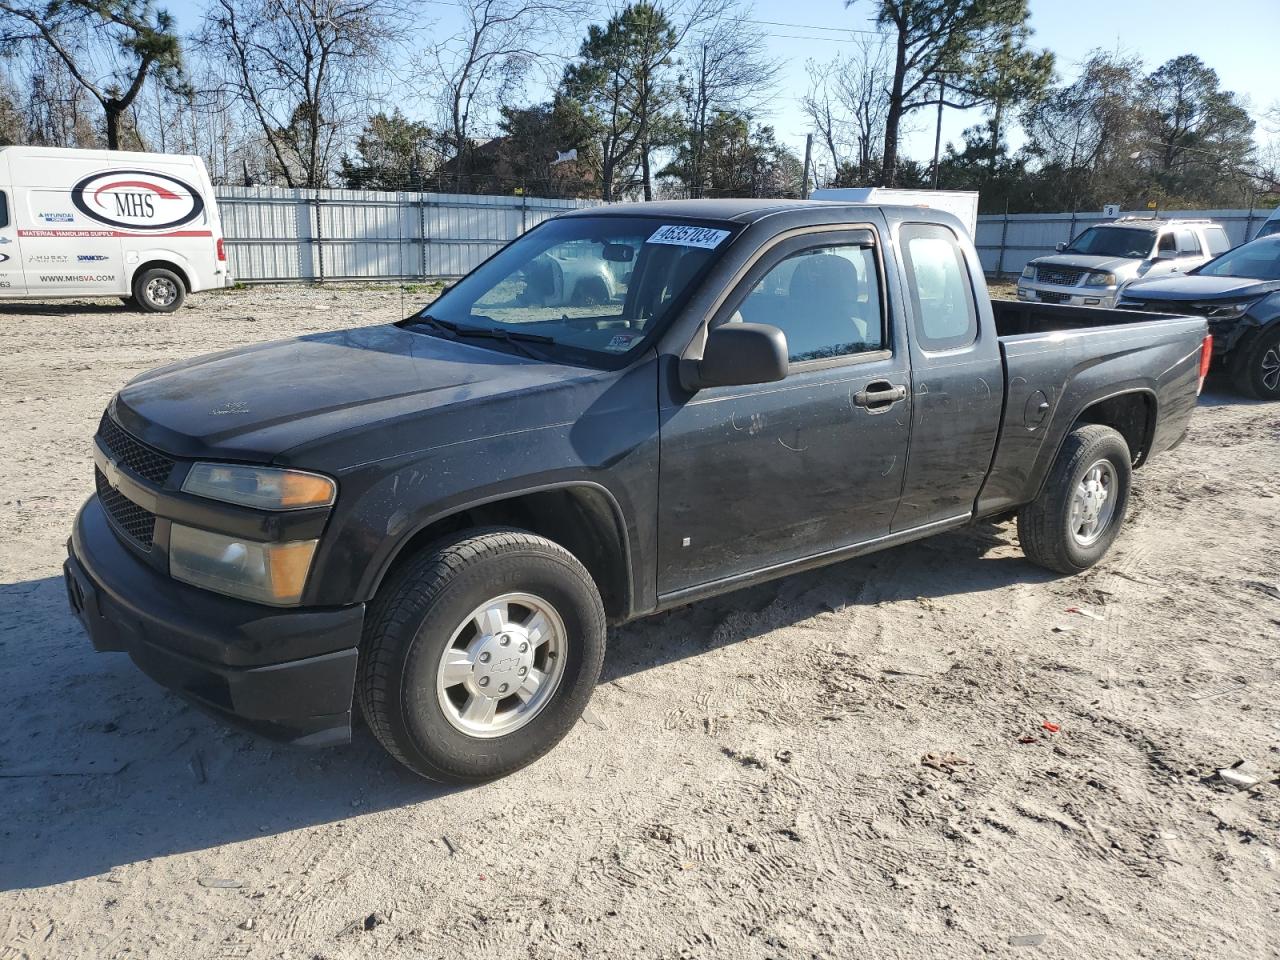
[584,289]
[1128,242]
[1256,260]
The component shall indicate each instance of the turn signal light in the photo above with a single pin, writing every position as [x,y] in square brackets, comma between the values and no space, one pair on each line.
[1206,355]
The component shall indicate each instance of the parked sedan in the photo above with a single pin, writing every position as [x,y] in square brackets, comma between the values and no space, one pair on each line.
[1239,294]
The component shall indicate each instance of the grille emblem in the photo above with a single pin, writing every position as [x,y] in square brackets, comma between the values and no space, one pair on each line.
[111,471]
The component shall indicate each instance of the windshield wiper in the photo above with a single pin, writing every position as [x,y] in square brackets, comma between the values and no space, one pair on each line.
[432,321]
[517,338]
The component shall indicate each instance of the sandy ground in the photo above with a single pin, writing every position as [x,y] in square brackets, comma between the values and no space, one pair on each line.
[749,781]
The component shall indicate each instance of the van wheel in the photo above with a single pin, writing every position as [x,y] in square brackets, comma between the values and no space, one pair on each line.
[1257,372]
[1073,522]
[590,292]
[480,654]
[159,290]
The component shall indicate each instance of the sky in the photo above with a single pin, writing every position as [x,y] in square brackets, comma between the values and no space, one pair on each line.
[1235,37]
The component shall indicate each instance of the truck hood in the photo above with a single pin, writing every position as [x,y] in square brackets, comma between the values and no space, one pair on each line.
[1084,262]
[1195,287]
[257,402]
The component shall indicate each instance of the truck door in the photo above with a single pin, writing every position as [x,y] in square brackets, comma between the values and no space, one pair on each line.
[65,252]
[12,281]
[957,377]
[760,475]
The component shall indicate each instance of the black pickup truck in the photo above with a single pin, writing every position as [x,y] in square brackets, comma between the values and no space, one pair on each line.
[437,518]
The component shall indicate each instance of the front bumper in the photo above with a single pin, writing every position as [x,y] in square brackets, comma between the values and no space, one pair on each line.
[286,674]
[1075,296]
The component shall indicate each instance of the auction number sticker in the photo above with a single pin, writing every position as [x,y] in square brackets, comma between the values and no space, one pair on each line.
[684,236]
[622,342]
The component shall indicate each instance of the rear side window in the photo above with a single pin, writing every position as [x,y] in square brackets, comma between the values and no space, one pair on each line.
[1217,240]
[4,209]
[945,315]
[1188,245]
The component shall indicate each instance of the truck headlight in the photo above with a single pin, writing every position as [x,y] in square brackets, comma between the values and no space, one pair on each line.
[1100,280]
[272,573]
[266,488]
[1028,272]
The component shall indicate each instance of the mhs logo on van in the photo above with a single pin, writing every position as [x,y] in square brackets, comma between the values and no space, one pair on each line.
[137,200]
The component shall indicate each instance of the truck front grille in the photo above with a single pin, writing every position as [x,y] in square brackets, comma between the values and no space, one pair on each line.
[149,464]
[1062,276]
[135,523]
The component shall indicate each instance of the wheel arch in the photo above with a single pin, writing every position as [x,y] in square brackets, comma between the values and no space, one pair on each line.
[581,516]
[1131,413]
[184,274]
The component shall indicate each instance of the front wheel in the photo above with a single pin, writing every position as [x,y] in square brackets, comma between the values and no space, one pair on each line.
[1073,522]
[1258,370]
[159,290]
[480,655]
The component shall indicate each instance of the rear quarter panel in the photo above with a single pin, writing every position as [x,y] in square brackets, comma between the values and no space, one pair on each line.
[1072,370]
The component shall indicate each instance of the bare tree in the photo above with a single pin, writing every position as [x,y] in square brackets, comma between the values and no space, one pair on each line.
[727,69]
[848,104]
[303,70]
[484,63]
[109,47]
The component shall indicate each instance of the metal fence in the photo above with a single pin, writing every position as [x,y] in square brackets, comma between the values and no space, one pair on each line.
[1006,242]
[279,235]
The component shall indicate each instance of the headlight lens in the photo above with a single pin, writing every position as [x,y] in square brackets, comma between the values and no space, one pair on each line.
[1223,311]
[265,488]
[1100,280]
[1029,272]
[273,573]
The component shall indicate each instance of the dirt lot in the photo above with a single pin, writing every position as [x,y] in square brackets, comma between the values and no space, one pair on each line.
[749,781]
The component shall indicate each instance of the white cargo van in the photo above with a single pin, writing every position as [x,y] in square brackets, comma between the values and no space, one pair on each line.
[98,223]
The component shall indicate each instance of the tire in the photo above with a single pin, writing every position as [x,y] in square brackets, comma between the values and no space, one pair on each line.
[1257,371]
[430,607]
[591,292]
[1050,534]
[159,290]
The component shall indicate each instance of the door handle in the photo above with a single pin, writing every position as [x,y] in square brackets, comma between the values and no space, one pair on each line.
[880,395]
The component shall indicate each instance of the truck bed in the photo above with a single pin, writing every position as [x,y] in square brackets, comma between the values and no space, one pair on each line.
[1015,317]
[1060,359]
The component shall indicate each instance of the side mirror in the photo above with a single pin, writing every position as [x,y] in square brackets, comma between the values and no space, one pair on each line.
[1060,245]
[737,354]
[1166,254]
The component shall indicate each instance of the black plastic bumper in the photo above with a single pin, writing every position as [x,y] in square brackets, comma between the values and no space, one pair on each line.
[284,673]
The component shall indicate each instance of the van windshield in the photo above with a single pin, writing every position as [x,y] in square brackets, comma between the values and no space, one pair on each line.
[579,289]
[1127,242]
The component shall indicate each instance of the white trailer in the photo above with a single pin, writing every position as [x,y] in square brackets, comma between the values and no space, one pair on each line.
[959,203]
[97,223]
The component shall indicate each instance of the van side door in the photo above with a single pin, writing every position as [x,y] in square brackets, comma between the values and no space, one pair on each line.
[65,253]
[762,475]
[13,282]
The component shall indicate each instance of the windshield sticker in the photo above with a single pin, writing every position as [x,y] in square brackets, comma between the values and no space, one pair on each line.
[682,236]
[622,342]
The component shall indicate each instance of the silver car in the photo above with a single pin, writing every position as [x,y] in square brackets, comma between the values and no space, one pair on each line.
[1093,268]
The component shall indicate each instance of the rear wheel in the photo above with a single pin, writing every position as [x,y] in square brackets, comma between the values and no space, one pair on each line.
[1257,372]
[480,655]
[1073,522]
[159,290]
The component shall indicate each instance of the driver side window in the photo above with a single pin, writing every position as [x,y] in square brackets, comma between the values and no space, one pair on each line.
[825,299]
